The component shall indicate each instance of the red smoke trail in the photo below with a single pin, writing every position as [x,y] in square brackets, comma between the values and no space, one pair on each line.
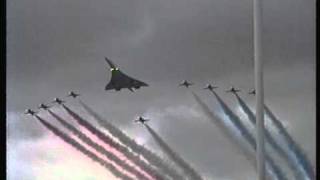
[146,169]
[98,147]
[82,149]
[151,157]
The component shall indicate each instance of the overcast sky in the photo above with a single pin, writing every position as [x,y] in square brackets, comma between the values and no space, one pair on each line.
[55,46]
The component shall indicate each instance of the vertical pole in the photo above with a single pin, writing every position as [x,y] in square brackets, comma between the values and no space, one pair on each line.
[258,68]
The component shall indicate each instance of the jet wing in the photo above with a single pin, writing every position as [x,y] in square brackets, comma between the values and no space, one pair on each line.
[109,86]
[133,82]
[120,80]
[140,83]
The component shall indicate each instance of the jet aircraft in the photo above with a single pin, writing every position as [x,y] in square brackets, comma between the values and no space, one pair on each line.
[210,87]
[31,112]
[185,83]
[119,80]
[233,90]
[43,106]
[58,101]
[141,120]
[73,94]
[253,92]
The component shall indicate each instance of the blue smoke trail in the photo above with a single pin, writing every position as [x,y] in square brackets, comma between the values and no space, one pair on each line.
[276,145]
[236,127]
[293,150]
[246,134]
[229,130]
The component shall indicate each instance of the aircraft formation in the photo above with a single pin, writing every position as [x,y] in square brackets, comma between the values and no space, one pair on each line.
[47,107]
[120,80]
[159,169]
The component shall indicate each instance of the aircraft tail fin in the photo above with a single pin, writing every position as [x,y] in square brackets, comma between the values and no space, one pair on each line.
[110,63]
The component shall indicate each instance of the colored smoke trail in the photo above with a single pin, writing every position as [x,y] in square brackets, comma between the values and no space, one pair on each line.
[275,144]
[275,169]
[82,149]
[186,168]
[108,140]
[152,158]
[235,120]
[297,156]
[98,147]
[228,130]
[274,172]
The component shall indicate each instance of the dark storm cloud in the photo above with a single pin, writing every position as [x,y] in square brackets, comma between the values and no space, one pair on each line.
[183,37]
[57,46]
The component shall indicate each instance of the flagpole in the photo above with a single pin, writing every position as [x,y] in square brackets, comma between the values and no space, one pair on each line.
[258,68]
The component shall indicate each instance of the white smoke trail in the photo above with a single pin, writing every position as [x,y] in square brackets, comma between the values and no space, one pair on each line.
[98,147]
[152,158]
[186,168]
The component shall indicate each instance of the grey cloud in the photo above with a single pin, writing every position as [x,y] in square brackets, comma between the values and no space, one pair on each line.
[57,46]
